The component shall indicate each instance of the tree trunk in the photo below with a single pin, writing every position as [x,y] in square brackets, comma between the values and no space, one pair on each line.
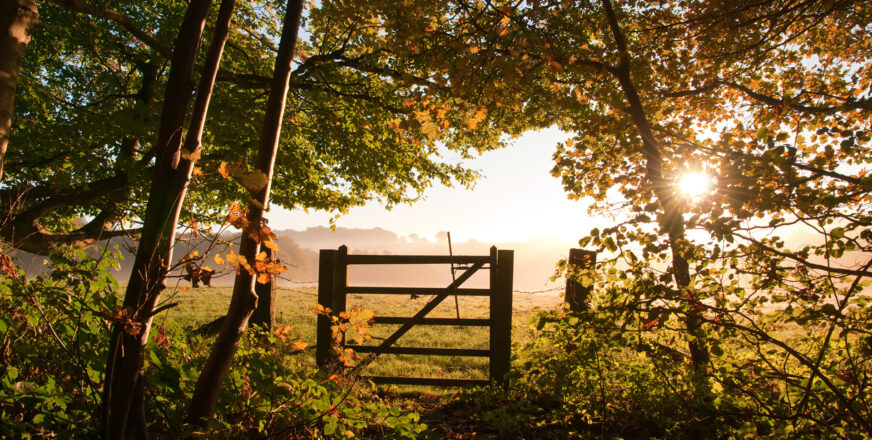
[17,20]
[175,163]
[671,221]
[244,300]
[264,315]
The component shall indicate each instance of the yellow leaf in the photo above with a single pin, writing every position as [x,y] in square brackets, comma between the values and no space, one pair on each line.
[218,260]
[422,116]
[365,315]
[299,345]
[253,181]
[271,245]
[321,310]
[480,114]
[430,130]
[263,278]
[192,256]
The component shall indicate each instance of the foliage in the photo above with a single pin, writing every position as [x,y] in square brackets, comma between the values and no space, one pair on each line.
[348,326]
[53,333]
[359,125]
[272,389]
[771,99]
[586,376]
[53,329]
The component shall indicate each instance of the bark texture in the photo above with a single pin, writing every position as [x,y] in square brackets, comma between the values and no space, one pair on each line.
[18,18]
[244,299]
[175,163]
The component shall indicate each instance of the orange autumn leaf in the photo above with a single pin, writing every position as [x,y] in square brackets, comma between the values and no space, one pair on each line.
[282,332]
[191,155]
[223,171]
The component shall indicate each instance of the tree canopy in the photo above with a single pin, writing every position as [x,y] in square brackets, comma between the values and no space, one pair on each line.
[362,123]
[770,99]
[749,297]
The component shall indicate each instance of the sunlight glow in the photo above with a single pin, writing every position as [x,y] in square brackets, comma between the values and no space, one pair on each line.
[695,184]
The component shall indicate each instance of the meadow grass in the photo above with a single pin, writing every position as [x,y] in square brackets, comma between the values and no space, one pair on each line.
[293,308]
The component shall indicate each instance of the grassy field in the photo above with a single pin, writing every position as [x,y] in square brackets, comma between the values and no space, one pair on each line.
[293,307]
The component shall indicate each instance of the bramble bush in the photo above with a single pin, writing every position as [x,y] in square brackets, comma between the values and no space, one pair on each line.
[273,389]
[53,338]
[54,329]
[609,373]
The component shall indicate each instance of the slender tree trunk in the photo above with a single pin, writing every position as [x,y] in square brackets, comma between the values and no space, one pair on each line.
[244,300]
[175,163]
[671,222]
[17,20]
[264,314]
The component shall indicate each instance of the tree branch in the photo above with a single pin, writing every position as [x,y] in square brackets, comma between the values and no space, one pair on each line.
[771,101]
[794,257]
[114,16]
[862,104]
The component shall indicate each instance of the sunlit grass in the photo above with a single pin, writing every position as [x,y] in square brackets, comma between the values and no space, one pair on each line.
[293,307]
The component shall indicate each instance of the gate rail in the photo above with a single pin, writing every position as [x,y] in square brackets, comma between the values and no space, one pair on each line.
[333,289]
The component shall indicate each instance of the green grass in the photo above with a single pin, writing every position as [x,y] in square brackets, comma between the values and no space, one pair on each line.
[293,307]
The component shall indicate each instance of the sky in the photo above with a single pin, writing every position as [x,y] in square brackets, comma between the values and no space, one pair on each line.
[516,199]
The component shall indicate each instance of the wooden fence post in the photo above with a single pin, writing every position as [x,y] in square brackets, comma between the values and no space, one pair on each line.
[326,264]
[501,313]
[576,293]
[340,282]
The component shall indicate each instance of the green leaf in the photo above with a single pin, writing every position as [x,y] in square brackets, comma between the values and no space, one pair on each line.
[829,309]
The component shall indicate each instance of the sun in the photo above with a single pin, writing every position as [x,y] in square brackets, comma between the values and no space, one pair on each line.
[695,184]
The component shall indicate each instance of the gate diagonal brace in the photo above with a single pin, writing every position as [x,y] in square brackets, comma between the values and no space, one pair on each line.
[419,317]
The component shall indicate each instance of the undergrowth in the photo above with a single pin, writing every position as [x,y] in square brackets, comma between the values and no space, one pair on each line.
[54,331]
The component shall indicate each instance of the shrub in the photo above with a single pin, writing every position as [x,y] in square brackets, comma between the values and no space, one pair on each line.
[53,337]
[54,330]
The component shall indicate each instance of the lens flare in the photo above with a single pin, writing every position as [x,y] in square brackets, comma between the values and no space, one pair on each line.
[695,184]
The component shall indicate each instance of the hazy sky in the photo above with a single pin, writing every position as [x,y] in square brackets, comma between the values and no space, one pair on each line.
[515,200]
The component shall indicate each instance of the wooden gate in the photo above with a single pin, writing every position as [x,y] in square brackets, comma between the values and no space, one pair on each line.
[333,288]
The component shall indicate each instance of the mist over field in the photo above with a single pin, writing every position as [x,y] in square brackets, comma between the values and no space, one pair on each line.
[535,259]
